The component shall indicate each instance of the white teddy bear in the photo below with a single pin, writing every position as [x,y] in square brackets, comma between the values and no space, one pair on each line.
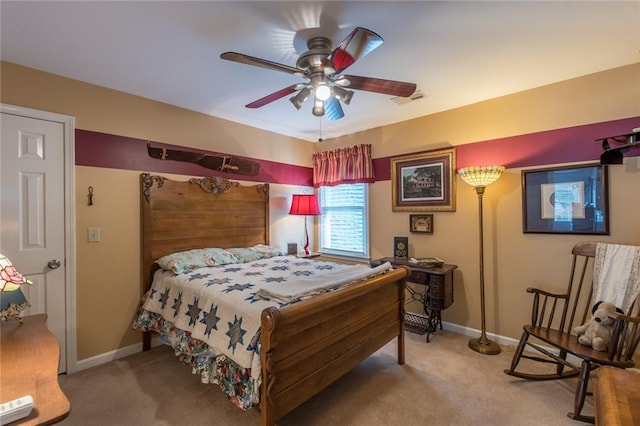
[597,332]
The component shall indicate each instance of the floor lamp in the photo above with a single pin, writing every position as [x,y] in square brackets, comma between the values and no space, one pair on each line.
[479,177]
[306,205]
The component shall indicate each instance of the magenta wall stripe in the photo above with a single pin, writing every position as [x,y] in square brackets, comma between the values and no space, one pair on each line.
[119,152]
[568,145]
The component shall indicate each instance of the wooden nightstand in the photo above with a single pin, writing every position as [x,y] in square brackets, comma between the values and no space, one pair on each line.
[438,293]
[616,397]
[29,357]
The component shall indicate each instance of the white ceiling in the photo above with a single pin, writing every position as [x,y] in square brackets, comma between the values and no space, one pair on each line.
[457,52]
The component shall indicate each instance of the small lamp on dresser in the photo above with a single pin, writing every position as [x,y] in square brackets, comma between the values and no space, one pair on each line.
[12,300]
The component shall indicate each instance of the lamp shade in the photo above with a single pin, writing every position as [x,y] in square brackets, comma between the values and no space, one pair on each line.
[480,176]
[12,300]
[304,204]
[10,278]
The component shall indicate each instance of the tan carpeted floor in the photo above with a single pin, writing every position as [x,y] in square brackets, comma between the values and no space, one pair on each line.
[442,383]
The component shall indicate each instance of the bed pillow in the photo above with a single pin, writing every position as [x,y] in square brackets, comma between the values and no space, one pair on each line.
[189,260]
[257,252]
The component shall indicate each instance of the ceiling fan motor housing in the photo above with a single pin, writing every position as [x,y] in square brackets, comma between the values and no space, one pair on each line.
[315,59]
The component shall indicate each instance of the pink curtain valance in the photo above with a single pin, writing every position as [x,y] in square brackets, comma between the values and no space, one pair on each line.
[343,165]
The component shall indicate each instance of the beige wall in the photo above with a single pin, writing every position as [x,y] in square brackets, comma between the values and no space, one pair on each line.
[103,110]
[594,98]
[513,261]
[108,272]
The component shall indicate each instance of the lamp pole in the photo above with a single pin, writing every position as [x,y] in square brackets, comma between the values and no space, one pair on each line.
[479,177]
[482,344]
[306,236]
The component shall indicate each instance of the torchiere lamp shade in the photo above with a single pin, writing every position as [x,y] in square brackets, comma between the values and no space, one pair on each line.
[481,175]
[305,205]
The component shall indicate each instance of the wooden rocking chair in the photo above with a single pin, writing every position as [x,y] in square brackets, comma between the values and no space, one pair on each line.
[553,317]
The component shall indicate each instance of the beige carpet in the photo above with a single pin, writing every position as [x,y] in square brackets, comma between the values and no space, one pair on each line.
[442,383]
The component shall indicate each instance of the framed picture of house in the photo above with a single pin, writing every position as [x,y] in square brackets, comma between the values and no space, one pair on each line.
[421,223]
[424,182]
[566,200]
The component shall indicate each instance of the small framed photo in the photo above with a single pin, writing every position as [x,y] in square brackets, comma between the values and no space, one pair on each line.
[421,223]
[292,248]
[566,200]
[424,182]
[401,247]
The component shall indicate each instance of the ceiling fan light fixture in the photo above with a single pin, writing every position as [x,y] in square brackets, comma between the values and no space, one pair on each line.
[343,94]
[323,92]
[300,97]
[318,108]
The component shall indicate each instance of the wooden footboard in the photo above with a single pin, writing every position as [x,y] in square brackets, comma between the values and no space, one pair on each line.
[308,345]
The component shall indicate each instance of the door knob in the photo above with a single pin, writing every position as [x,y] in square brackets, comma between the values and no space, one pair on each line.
[54,264]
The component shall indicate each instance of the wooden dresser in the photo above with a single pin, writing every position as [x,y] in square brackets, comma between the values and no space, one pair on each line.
[617,397]
[29,357]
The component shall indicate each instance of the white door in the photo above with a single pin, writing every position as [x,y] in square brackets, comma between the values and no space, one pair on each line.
[32,216]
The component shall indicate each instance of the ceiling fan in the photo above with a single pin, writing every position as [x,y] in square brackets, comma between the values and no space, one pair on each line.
[322,69]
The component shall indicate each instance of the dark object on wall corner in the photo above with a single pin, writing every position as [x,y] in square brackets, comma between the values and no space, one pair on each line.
[221,163]
[615,155]
[611,157]
[401,247]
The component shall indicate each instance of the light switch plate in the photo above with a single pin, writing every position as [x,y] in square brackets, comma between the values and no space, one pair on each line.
[93,235]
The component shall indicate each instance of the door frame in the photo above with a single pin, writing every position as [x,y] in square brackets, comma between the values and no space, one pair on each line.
[68,123]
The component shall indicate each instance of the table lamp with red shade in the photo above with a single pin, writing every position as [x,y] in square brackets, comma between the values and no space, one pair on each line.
[305,205]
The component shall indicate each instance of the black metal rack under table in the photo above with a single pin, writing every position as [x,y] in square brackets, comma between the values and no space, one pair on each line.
[438,293]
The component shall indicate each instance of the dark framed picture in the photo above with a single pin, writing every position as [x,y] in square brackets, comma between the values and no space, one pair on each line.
[424,182]
[421,223]
[566,200]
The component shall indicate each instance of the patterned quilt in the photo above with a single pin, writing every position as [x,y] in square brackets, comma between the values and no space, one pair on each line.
[220,307]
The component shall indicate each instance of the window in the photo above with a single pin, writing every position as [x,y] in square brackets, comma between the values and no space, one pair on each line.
[344,224]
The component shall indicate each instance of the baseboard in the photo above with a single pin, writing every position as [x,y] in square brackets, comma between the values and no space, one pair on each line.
[472,332]
[501,340]
[114,355]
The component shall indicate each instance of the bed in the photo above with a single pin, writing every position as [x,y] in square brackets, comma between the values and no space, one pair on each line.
[304,343]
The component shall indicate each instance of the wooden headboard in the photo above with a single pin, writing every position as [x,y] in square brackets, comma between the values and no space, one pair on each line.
[199,213]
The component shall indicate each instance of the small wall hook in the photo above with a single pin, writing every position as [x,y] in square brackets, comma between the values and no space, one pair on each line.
[90,196]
